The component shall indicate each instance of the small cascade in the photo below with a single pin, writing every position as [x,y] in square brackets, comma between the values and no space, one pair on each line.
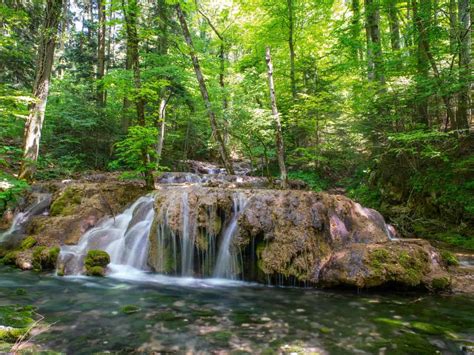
[123,237]
[187,239]
[227,265]
[40,206]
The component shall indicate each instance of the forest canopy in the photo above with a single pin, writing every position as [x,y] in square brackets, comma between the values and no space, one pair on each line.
[372,98]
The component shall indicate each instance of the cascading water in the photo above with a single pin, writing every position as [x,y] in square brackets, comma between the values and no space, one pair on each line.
[124,238]
[39,206]
[187,239]
[227,265]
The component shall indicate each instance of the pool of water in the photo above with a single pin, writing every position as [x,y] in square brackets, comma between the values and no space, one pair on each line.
[138,312]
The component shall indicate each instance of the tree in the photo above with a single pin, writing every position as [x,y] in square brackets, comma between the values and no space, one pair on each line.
[204,93]
[374,42]
[44,64]
[276,117]
[463,111]
[130,11]
[101,51]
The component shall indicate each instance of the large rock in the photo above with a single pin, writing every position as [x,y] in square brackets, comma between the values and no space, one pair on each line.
[289,237]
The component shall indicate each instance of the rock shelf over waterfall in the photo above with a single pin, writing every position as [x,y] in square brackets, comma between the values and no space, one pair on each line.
[195,229]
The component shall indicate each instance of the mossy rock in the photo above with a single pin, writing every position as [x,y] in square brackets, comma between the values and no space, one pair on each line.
[10,258]
[96,262]
[402,266]
[130,309]
[28,243]
[449,259]
[440,283]
[66,203]
[45,258]
[15,322]
[98,271]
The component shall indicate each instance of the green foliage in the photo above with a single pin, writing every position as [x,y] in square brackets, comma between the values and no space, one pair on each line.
[132,152]
[10,190]
[314,181]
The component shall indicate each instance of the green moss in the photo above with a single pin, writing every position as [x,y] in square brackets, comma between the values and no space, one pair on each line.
[66,203]
[440,283]
[406,267]
[28,243]
[129,309]
[95,271]
[222,338]
[10,258]
[20,292]
[96,262]
[97,258]
[449,259]
[44,258]
[15,322]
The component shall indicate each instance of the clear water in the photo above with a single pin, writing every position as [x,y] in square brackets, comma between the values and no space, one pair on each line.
[186,314]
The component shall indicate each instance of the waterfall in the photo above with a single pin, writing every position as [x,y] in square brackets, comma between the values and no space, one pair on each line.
[38,207]
[187,239]
[182,246]
[123,237]
[227,265]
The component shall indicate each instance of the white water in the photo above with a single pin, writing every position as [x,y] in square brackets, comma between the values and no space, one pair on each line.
[124,238]
[40,206]
[227,265]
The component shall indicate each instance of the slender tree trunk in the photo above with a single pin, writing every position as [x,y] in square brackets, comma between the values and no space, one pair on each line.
[130,11]
[425,58]
[291,44]
[161,129]
[357,51]
[44,64]
[453,26]
[101,33]
[394,24]
[421,17]
[204,93]
[372,13]
[463,111]
[276,116]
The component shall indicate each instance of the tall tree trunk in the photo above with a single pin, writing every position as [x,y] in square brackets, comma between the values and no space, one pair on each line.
[394,24]
[463,111]
[101,33]
[204,93]
[421,17]
[276,116]
[44,64]
[357,51]
[372,14]
[453,26]
[161,129]
[291,44]
[130,11]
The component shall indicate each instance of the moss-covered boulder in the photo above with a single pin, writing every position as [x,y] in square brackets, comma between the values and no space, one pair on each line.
[45,258]
[28,243]
[96,262]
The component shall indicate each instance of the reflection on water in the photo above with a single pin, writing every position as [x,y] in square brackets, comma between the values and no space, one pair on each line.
[185,314]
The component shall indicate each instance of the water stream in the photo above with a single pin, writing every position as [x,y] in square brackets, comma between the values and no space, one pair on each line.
[178,314]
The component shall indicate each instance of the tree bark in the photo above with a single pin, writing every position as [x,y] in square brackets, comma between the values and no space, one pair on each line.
[161,129]
[101,33]
[276,116]
[463,111]
[130,12]
[204,93]
[372,14]
[291,44]
[394,24]
[44,64]
[357,51]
